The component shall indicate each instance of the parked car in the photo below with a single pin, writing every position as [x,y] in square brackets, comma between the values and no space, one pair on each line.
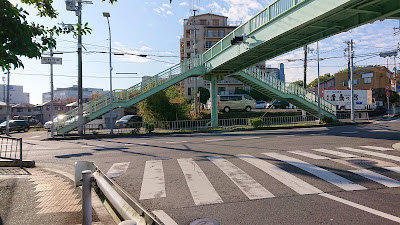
[132,121]
[227,103]
[261,104]
[280,104]
[15,125]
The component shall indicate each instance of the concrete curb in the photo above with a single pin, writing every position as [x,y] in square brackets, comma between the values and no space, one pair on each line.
[15,163]
[396,146]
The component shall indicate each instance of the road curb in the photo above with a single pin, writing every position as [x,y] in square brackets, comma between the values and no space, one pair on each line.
[396,146]
[15,163]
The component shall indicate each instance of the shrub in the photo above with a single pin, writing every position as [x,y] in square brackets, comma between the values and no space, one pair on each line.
[256,122]
[149,127]
[135,131]
[95,132]
[327,120]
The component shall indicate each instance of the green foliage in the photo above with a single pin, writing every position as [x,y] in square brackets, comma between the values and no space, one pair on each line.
[19,37]
[158,108]
[204,94]
[258,96]
[257,122]
[347,69]
[327,120]
[394,97]
[149,127]
[299,82]
[95,132]
[321,79]
[134,131]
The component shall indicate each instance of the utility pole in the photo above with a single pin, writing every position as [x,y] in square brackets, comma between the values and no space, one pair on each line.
[196,111]
[80,97]
[8,103]
[4,89]
[352,82]
[51,94]
[305,66]
[319,97]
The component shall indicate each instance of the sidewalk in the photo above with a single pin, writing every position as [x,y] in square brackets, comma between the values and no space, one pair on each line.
[39,196]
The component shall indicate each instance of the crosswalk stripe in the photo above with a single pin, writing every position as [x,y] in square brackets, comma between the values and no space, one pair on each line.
[377,154]
[377,148]
[251,188]
[202,191]
[153,185]
[211,140]
[379,178]
[331,152]
[349,132]
[393,168]
[164,217]
[330,177]
[309,155]
[117,169]
[284,177]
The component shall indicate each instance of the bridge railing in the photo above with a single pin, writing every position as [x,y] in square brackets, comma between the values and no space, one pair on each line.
[271,12]
[125,95]
[290,88]
[11,148]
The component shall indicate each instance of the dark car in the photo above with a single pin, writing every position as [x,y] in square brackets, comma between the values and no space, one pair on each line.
[132,121]
[15,125]
[280,104]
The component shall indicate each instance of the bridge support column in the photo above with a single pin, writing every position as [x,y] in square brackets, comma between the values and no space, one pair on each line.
[214,101]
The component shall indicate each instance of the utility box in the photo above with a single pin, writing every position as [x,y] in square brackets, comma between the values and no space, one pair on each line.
[70,5]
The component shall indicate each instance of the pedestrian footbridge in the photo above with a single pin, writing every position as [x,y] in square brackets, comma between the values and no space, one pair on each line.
[283,26]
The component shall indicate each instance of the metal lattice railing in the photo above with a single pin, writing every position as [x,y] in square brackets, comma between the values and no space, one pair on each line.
[290,88]
[125,95]
[267,15]
[11,148]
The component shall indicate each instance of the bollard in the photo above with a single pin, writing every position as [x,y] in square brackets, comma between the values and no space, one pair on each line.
[87,197]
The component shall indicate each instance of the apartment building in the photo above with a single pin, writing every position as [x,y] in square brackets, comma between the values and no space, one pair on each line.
[71,93]
[17,94]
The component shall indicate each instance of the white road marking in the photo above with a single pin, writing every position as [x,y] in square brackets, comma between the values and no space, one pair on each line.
[349,132]
[117,169]
[287,135]
[153,185]
[309,155]
[393,168]
[296,184]
[319,134]
[331,152]
[202,191]
[379,178]
[251,188]
[128,144]
[87,146]
[361,207]
[380,131]
[175,142]
[35,137]
[326,175]
[377,154]
[164,217]
[377,148]
[249,138]
[211,140]
[47,148]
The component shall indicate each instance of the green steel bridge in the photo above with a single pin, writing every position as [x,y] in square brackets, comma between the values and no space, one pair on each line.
[283,26]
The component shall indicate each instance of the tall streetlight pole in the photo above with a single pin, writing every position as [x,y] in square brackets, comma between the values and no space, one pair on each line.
[8,103]
[352,81]
[319,97]
[51,94]
[195,55]
[107,15]
[80,94]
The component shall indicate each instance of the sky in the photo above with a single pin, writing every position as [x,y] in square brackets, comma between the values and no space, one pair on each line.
[154,28]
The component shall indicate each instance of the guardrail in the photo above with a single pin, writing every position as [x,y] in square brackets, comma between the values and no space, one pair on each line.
[148,127]
[11,148]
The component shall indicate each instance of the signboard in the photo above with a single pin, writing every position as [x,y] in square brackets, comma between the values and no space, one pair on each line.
[342,98]
[176,100]
[11,87]
[388,94]
[51,60]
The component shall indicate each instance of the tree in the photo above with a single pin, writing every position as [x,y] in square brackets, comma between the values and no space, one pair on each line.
[159,108]
[321,79]
[204,94]
[19,37]
[299,82]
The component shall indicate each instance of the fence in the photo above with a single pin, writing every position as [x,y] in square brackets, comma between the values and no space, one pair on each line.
[11,148]
[197,124]
[346,115]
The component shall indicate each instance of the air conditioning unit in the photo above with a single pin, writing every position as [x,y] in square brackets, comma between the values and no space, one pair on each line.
[70,5]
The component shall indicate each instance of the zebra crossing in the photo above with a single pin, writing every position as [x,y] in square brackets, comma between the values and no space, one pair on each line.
[203,192]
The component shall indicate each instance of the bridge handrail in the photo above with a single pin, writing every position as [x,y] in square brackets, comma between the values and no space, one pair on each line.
[290,88]
[274,10]
[125,95]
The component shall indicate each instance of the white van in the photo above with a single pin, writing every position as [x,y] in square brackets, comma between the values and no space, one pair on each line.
[227,103]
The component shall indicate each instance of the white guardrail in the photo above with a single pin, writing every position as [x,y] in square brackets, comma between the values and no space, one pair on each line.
[127,207]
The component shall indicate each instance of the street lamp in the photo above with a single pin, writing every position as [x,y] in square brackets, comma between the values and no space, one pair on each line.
[107,15]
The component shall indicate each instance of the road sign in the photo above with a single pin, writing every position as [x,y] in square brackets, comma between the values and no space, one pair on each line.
[387,87]
[51,60]
[176,100]
[388,94]
[11,87]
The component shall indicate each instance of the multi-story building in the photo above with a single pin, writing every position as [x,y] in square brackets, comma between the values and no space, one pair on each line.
[71,93]
[210,28]
[325,85]
[42,112]
[17,94]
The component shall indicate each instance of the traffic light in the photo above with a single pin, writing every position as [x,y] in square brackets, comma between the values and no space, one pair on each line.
[237,39]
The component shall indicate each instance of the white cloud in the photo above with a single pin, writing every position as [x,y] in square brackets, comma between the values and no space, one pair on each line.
[183,4]
[237,9]
[169,13]
[144,48]
[180,21]
[131,55]
[166,6]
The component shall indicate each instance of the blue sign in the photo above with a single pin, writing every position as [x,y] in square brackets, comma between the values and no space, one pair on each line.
[11,87]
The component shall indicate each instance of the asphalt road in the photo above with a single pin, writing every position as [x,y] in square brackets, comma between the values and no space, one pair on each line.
[334,175]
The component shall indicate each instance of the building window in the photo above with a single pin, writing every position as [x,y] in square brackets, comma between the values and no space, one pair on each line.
[203,22]
[367,80]
[188,33]
[324,85]
[356,81]
[189,91]
[209,44]
[29,110]
[47,108]
[20,110]
[330,84]
[215,22]
[221,33]
[345,83]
